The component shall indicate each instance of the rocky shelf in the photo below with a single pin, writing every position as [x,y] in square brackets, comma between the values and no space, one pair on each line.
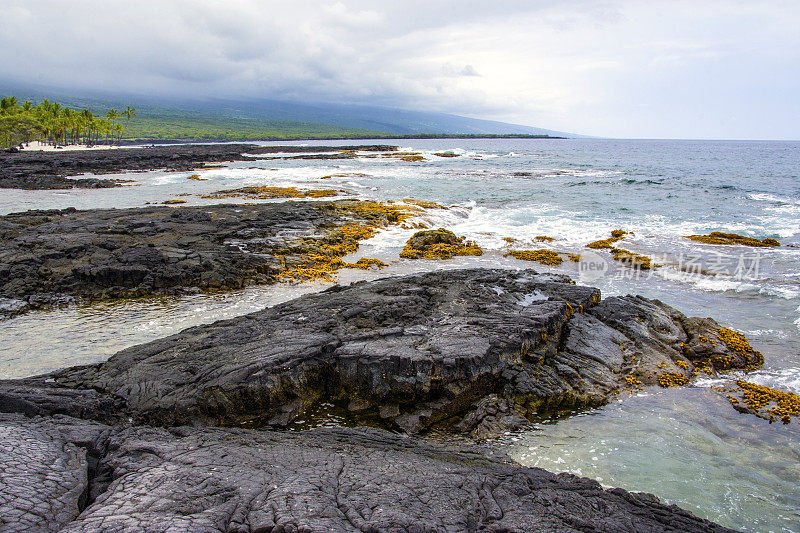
[57,256]
[50,170]
[70,475]
[182,431]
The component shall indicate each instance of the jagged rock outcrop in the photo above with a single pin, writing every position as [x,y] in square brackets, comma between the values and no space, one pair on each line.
[412,353]
[49,170]
[48,258]
[62,474]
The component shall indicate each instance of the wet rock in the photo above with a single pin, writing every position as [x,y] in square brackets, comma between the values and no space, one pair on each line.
[49,170]
[417,353]
[205,479]
[438,244]
[10,307]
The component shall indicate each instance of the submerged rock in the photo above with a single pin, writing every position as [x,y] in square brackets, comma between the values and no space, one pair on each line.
[438,244]
[203,479]
[414,353]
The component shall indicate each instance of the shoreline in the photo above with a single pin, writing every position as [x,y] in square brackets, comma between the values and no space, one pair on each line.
[687,502]
[37,170]
[467,371]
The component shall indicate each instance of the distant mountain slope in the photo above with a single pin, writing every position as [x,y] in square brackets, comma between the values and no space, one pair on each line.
[171,118]
[390,120]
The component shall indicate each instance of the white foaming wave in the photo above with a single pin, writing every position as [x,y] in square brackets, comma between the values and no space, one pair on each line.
[787,293]
[267,157]
[487,226]
[787,379]
[587,173]
[724,284]
[765,197]
[285,177]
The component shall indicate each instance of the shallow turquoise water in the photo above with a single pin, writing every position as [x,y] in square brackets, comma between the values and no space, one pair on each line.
[684,445]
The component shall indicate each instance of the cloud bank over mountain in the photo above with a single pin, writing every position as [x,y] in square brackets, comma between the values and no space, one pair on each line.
[612,68]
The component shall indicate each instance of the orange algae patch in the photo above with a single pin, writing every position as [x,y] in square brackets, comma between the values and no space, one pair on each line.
[637,261]
[424,204]
[438,244]
[642,262]
[543,256]
[319,259]
[718,237]
[196,177]
[543,238]
[266,193]
[405,156]
[173,202]
[776,404]
[672,379]
[616,235]
[738,343]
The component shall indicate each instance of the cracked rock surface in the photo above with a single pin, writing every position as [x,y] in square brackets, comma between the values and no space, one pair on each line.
[63,474]
[43,471]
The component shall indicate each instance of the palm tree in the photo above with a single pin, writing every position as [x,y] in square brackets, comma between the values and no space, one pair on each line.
[112,115]
[129,112]
[8,104]
[88,123]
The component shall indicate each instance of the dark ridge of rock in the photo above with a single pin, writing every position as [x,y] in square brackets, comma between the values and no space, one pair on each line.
[45,398]
[342,480]
[472,350]
[48,170]
[48,258]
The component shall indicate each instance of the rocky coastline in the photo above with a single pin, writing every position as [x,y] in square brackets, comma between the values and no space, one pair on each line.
[189,431]
[51,258]
[34,170]
[198,431]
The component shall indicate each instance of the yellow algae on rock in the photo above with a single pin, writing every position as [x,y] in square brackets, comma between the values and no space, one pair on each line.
[438,244]
[718,237]
[424,204]
[639,261]
[543,256]
[268,193]
[766,402]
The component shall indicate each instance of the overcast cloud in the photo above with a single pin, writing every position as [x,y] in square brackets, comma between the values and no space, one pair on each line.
[694,69]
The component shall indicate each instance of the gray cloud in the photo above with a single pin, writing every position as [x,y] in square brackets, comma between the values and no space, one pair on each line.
[620,68]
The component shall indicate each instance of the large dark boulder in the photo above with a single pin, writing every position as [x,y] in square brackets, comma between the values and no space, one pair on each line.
[471,349]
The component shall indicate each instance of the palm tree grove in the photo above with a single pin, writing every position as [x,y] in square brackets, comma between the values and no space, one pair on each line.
[57,125]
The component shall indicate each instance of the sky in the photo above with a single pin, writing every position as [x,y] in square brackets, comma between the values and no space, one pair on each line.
[631,69]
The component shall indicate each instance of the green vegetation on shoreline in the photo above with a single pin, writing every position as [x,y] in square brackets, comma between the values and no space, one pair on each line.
[52,123]
[96,123]
[181,127]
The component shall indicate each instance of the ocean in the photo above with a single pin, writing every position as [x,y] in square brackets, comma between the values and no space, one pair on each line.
[686,445]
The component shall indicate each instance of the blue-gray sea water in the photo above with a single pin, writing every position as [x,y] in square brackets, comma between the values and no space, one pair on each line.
[688,446]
